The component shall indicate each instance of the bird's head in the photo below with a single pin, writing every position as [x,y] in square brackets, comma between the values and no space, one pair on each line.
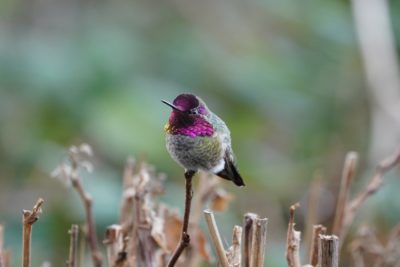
[188,112]
[187,105]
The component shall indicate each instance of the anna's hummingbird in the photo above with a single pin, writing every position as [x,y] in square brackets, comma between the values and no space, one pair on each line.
[199,140]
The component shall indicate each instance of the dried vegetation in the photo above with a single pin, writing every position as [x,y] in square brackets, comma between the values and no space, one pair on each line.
[148,231]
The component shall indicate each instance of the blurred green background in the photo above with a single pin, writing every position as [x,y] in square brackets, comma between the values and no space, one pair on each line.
[286,76]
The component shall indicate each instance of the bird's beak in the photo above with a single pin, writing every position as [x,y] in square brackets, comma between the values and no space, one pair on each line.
[171,105]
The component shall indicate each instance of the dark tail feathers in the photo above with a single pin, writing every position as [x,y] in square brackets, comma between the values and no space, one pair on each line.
[231,173]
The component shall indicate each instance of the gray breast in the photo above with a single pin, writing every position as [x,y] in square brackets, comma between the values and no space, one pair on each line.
[195,153]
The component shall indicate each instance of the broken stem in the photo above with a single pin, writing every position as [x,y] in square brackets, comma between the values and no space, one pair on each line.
[258,242]
[28,219]
[91,227]
[216,238]
[313,254]
[73,245]
[328,252]
[255,237]
[234,252]
[293,241]
[247,237]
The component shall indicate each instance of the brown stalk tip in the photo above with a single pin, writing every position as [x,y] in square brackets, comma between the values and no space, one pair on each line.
[30,217]
[292,210]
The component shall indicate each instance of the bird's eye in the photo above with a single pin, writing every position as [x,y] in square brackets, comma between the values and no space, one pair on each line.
[193,112]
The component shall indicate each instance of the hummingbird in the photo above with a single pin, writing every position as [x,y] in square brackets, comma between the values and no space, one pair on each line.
[197,139]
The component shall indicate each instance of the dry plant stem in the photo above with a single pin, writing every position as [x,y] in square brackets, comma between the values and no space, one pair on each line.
[234,253]
[249,219]
[216,238]
[255,235]
[114,243]
[349,169]
[91,227]
[258,242]
[313,254]
[73,246]
[122,256]
[328,255]
[28,219]
[293,241]
[185,238]
[374,184]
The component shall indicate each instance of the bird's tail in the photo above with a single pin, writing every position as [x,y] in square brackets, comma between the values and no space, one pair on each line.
[231,173]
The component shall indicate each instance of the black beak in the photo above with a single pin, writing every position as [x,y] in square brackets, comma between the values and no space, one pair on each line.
[171,105]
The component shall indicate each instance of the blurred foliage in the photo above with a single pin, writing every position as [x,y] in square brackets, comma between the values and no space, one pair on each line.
[286,76]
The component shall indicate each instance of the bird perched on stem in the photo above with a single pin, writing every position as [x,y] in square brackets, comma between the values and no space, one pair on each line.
[199,140]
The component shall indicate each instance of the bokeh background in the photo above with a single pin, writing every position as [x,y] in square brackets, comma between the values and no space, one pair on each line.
[287,77]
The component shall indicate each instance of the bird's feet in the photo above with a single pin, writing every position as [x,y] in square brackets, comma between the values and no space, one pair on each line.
[189,174]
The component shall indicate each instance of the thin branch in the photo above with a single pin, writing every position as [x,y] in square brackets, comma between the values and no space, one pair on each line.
[216,238]
[348,174]
[208,193]
[234,252]
[28,219]
[293,241]
[328,252]
[91,227]
[79,157]
[73,246]
[313,253]
[374,184]
[185,238]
